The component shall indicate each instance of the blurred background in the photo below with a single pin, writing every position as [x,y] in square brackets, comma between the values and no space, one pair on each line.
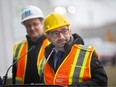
[93,20]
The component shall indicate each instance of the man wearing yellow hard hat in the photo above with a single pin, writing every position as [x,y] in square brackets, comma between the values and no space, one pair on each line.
[67,61]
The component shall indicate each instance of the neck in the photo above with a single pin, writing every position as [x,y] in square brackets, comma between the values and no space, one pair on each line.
[34,39]
[60,49]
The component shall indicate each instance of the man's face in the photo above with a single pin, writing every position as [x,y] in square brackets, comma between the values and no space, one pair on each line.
[34,28]
[59,36]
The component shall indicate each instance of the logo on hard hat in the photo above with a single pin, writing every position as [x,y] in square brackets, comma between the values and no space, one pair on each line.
[27,13]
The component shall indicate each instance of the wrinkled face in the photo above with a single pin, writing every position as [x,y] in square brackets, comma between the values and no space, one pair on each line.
[34,28]
[59,36]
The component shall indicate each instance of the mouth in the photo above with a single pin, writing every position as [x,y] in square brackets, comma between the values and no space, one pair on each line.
[32,32]
[61,41]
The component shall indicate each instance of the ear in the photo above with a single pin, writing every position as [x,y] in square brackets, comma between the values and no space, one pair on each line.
[70,32]
[48,37]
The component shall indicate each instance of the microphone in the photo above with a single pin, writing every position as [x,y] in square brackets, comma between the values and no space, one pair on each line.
[41,73]
[49,56]
[5,77]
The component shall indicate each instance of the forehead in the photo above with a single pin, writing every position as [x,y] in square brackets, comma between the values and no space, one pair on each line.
[31,20]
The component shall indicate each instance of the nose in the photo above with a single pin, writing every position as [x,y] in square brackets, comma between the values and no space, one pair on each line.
[61,35]
[31,27]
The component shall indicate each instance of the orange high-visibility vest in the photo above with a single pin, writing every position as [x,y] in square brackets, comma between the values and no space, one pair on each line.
[74,69]
[19,50]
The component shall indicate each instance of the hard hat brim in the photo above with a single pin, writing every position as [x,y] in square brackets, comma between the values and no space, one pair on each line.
[31,17]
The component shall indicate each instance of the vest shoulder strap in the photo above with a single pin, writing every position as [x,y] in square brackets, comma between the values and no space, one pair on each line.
[17,47]
[20,42]
[84,47]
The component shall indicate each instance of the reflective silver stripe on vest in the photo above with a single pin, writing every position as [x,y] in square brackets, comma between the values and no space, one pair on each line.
[78,67]
[17,51]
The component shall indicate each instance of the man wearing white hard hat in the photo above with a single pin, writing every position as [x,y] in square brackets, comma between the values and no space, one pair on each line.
[26,69]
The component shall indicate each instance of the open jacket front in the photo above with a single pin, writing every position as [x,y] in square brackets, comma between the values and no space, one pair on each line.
[79,66]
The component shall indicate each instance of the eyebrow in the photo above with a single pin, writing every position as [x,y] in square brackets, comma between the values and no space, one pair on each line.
[57,30]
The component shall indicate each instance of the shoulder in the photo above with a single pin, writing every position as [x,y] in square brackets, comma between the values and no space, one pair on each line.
[19,42]
[84,47]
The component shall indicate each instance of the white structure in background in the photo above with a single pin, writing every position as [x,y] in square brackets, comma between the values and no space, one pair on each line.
[61,10]
[64,10]
[71,9]
[105,49]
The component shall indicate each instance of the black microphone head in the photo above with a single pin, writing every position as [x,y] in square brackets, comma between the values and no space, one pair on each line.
[33,47]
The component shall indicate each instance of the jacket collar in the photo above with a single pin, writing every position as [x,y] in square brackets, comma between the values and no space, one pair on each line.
[76,39]
[38,41]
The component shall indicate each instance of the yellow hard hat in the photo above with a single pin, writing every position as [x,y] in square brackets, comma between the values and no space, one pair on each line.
[53,21]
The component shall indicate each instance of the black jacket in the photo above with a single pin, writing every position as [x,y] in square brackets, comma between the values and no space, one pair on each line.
[0,80]
[31,74]
[98,75]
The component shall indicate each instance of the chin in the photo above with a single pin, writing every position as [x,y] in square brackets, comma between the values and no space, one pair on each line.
[61,45]
[34,35]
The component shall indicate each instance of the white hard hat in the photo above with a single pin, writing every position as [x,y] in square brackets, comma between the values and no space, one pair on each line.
[31,12]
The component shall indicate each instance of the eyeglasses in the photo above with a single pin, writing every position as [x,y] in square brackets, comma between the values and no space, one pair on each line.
[55,34]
